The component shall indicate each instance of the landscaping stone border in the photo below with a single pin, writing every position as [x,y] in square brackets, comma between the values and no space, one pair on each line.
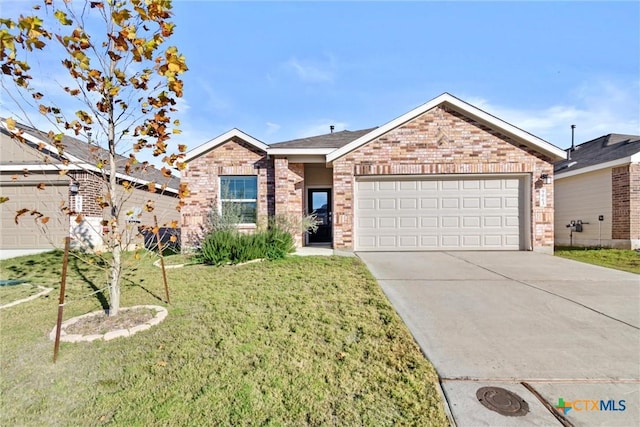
[43,289]
[161,314]
[156,263]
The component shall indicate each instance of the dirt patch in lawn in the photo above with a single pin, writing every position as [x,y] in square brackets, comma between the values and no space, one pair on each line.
[100,323]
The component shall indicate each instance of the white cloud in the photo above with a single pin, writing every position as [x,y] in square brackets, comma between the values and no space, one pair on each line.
[272,128]
[596,108]
[312,71]
[211,100]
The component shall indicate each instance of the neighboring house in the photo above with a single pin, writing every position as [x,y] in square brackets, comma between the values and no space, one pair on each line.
[598,190]
[24,166]
[444,176]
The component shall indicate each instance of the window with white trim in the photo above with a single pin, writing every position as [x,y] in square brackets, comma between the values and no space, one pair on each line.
[239,198]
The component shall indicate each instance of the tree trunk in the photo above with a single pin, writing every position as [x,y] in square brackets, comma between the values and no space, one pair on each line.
[114,283]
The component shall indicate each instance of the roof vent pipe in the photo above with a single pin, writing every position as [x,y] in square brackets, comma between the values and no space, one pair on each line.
[573,147]
[331,128]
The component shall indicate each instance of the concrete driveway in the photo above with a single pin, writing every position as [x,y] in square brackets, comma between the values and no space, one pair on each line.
[540,326]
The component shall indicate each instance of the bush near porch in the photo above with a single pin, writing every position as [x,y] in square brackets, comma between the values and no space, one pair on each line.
[298,341]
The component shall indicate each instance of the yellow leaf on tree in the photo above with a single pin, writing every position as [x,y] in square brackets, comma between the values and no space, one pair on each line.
[45,220]
[11,123]
[40,186]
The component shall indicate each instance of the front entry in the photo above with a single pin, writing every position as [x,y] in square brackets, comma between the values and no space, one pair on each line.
[319,203]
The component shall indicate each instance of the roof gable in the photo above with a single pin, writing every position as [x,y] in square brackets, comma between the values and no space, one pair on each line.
[464,109]
[221,139]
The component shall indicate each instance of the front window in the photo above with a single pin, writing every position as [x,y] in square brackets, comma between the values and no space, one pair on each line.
[239,198]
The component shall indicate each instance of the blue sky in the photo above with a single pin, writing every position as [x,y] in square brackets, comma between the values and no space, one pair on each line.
[284,70]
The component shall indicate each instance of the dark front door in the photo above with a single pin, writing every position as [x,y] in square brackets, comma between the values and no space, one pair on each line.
[319,200]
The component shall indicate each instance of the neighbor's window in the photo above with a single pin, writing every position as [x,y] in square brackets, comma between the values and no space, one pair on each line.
[239,198]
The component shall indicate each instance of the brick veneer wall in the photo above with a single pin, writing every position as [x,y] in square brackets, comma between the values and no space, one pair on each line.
[634,201]
[289,190]
[90,188]
[621,202]
[234,157]
[441,141]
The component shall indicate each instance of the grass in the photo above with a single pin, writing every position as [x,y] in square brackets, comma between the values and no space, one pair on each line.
[16,292]
[300,341]
[620,259]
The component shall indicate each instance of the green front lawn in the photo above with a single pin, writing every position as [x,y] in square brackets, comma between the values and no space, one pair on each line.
[301,341]
[620,259]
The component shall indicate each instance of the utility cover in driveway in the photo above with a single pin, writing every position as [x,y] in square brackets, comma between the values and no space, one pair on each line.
[502,401]
[422,213]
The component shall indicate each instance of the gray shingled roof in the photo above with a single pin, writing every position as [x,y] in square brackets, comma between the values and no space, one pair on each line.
[330,140]
[600,150]
[92,153]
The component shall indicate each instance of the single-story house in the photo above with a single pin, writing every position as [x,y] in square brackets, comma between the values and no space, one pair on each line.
[444,176]
[31,178]
[598,193]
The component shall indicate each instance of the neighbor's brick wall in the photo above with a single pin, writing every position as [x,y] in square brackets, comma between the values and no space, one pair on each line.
[625,198]
[634,201]
[91,187]
[441,141]
[234,157]
[289,190]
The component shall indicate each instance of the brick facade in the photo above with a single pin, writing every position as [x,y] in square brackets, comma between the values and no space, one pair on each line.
[634,201]
[234,157]
[90,187]
[441,141]
[625,200]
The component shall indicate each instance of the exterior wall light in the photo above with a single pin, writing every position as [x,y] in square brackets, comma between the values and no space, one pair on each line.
[546,178]
[74,188]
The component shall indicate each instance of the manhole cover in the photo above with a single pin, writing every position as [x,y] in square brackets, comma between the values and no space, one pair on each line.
[502,401]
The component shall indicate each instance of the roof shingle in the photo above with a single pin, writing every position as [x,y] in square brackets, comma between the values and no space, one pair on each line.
[600,150]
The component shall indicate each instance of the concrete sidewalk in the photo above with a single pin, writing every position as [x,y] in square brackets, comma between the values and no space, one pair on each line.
[569,330]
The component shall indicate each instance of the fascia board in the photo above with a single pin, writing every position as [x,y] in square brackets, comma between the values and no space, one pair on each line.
[611,164]
[221,139]
[464,108]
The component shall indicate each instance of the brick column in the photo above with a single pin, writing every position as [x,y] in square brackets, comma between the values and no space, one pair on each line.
[289,189]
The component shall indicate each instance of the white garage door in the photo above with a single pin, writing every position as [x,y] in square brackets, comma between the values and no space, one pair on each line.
[455,213]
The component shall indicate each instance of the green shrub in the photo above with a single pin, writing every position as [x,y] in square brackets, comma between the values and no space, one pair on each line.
[230,246]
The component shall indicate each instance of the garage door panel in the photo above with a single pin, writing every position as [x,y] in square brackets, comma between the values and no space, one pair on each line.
[405,203]
[468,214]
[387,204]
[387,185]
[408,242]
[429,203]
[429,221]
[386,222]
[409,222]
[408,185]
